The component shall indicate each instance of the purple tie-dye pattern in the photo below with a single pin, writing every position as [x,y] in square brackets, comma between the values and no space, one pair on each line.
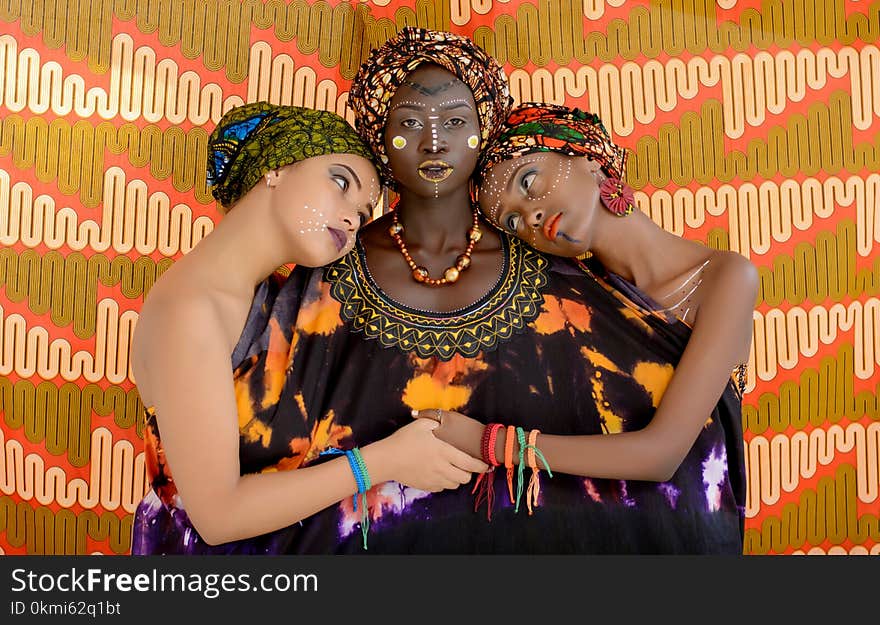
[625,499]
[671,493]
[389,497]
[714,474]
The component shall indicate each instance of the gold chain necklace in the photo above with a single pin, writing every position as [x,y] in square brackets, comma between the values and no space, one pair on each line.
[451,275]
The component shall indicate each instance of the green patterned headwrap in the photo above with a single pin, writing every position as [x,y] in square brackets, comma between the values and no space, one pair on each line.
[538,127]
[256,138]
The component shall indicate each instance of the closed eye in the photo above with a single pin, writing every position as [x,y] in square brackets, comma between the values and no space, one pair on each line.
[527,180]
[511,222]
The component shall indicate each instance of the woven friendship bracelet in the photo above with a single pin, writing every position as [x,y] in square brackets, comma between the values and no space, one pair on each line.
[521,440]
[508,459]
[534,488]
[361,478]
[484,487]
[493,438]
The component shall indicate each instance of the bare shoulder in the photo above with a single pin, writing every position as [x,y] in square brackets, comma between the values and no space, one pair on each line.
[171,319]
[732,273]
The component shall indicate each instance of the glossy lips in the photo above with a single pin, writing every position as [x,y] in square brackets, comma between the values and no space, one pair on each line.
[435,171]
[551,226]
[339,238]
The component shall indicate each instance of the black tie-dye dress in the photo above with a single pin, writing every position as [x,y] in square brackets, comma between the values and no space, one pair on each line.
[328,360]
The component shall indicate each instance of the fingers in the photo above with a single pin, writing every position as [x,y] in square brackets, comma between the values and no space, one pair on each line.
[451,478]
[426,424]
[435,414]
[465,461]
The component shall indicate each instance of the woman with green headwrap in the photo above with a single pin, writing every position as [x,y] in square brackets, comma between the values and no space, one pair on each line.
[296,185]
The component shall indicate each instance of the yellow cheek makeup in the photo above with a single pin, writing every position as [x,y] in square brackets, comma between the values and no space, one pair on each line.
[398,142]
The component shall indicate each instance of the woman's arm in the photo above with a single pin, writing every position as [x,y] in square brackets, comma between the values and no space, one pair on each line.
[182,366]
[720,340]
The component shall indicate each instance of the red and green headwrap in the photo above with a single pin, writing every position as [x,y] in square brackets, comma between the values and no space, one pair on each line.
[387,67]
[534,127]
[256,138]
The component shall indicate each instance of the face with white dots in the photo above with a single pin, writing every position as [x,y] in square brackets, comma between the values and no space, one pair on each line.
[547,199]
[432,134]
[321,203]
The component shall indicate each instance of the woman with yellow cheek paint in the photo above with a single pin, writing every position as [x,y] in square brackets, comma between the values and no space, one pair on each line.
[296,186]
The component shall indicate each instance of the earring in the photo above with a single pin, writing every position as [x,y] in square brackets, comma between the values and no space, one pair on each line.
[617,196]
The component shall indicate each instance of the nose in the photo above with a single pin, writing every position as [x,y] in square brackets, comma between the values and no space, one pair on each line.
[534,216]
[351,218]
[432,140]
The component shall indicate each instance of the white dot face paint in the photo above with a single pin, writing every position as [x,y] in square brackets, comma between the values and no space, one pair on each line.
[314,220]
[398,142]
[433,119]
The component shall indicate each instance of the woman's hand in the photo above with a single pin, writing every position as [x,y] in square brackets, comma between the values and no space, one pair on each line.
[460,431]
[415,457]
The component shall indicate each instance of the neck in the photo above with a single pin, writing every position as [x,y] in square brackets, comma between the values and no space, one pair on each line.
[241,251]
[620,244]
[433,224]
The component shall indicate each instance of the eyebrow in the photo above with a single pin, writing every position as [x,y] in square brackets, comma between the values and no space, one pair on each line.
[455,104]
[354,175]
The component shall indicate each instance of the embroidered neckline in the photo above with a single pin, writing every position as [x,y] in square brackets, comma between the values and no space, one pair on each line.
[508,307]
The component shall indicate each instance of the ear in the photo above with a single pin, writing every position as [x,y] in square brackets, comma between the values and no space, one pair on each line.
[591,165]
[272,177]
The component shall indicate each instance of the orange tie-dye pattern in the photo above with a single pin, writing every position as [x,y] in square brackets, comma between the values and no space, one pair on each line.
[559,314]
[251,428]
[636,317]
[434,384]
[320,316]
[592,491]
[325,434]
[598,359]
[654,378]
[278,356]
[611,421]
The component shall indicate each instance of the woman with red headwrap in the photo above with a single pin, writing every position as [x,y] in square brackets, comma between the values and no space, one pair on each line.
[554,179]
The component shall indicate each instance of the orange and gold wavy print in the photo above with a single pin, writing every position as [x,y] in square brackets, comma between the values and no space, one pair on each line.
[754,127]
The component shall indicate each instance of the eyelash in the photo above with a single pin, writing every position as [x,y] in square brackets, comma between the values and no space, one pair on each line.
[507,223]
[414,124]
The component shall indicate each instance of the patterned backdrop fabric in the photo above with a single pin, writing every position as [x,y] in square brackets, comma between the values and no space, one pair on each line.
[754,126]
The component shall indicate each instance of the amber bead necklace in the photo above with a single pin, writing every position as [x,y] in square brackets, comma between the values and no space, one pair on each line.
[451,274]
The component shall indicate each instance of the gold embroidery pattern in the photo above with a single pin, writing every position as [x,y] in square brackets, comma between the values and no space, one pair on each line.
[514,302]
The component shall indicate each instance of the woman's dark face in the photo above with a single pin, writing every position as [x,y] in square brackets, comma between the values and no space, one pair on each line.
[432,137]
